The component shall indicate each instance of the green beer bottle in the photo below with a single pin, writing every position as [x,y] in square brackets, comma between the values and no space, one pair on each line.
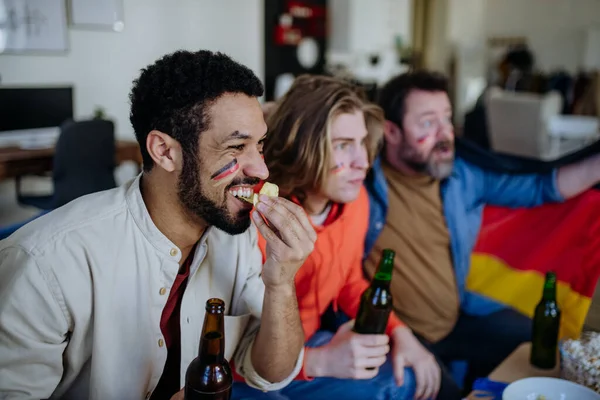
[546,323]
[376,300]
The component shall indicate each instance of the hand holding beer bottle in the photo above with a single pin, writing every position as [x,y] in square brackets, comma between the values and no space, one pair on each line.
[376,302]
[373,315]
[359,347]
[348,355]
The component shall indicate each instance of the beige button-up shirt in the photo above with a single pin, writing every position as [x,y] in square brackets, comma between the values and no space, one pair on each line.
[82,290]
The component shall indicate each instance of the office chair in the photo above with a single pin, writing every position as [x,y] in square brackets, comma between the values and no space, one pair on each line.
[84,163]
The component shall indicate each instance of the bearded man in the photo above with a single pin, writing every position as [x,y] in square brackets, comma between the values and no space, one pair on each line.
[427,205]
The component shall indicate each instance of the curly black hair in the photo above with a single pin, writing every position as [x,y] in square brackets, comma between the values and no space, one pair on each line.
[173,95]
[392,96]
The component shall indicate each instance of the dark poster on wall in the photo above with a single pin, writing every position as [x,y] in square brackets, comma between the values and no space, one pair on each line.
[295,39]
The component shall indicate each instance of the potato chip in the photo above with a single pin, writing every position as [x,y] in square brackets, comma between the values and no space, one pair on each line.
[269,189]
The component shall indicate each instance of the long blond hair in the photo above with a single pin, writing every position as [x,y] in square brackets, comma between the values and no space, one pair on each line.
[298,146]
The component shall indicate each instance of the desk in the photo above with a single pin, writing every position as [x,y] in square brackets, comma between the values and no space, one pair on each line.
[15,161]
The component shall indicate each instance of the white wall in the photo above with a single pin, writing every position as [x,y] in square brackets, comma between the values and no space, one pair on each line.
[361,28]
[366,26]
[591,57]
[375,23]
[102,65]
[466,22]
[555,29]
[467,42]
[339,20]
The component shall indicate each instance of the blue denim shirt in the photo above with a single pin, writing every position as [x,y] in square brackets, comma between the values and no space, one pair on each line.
[464,194]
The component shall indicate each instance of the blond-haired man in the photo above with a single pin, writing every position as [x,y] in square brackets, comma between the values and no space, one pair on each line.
[322,136]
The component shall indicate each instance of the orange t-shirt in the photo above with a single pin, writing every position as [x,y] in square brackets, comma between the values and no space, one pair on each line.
[333,272]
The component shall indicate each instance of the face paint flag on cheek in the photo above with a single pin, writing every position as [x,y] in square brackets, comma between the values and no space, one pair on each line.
[226,171]
[422,140]
[338,168]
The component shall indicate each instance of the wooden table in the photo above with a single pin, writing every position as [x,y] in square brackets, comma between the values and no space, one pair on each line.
[517,366]
[15,161]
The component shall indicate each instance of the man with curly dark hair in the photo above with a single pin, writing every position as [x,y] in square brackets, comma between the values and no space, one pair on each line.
[104,297]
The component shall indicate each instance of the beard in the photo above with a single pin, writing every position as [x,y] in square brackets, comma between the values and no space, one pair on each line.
[428,164]
[199,205]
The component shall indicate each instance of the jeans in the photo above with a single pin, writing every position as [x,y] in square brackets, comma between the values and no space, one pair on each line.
[381,387]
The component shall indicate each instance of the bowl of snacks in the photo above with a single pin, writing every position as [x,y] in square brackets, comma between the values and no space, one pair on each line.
[580,360]
[547,389]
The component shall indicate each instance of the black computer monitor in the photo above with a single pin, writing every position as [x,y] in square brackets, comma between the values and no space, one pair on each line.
[34,107]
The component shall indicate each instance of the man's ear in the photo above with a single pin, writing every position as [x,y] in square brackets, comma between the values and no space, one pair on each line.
[392,133]
[164,150]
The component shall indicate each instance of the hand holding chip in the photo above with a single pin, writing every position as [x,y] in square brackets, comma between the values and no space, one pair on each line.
[289,234]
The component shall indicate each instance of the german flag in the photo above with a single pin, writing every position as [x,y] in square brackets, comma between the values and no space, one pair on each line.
[516,247]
